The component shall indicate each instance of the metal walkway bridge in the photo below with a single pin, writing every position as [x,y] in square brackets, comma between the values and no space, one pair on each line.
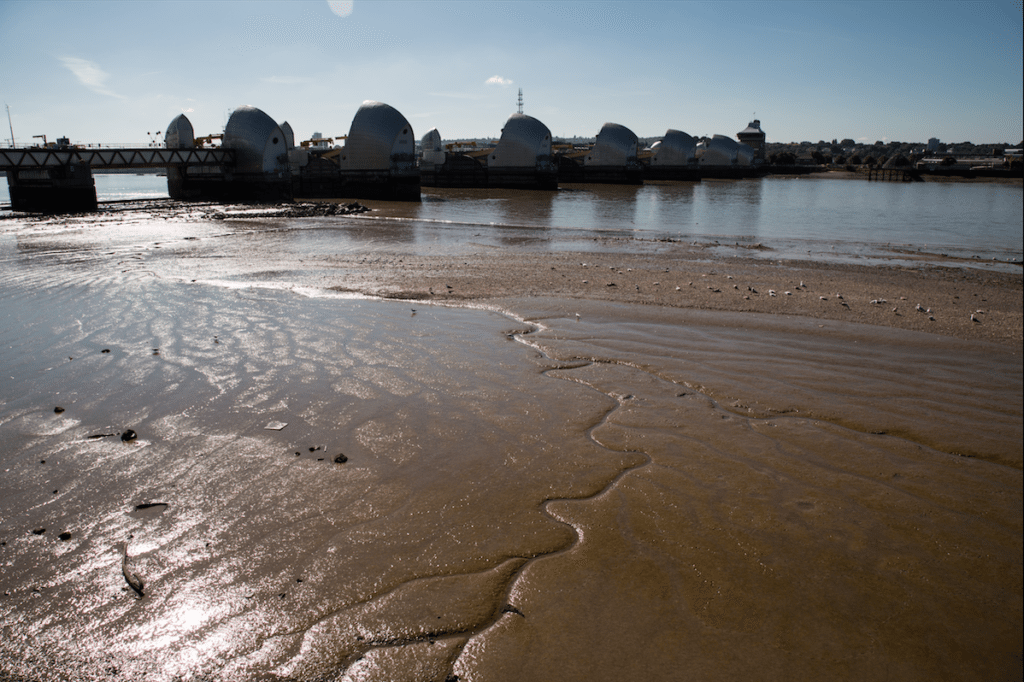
[58,179]
[96,159]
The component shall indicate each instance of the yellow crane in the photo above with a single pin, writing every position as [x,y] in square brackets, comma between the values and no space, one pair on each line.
[203,141]
[453,145]
[306,144]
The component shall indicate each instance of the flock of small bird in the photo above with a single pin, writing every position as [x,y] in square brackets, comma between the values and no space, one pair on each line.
[801,287]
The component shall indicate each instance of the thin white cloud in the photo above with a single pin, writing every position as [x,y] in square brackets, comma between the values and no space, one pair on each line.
[498,80]
[342,8]
[90,75]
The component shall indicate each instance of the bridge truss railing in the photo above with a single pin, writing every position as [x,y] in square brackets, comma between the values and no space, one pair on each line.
[144,157]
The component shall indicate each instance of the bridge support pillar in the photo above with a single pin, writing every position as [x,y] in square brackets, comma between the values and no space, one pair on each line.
[56,189]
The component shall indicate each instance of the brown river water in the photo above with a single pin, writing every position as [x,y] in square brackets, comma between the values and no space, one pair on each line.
[540,490]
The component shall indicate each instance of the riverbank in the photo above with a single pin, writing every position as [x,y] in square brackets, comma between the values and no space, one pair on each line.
[950,300]
[903,287]
[550,456]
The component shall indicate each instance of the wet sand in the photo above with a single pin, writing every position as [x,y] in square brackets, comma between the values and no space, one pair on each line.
[547,477]
[945,300]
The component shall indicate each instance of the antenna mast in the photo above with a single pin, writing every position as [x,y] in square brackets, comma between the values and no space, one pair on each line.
[520,100]
[11,126]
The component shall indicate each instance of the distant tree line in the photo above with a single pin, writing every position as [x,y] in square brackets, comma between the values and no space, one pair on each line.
[849,152]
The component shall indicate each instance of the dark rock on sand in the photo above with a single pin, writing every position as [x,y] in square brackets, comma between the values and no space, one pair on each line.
[301,210]
[133,579]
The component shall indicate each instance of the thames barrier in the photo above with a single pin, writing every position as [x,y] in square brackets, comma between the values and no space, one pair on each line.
[258,160]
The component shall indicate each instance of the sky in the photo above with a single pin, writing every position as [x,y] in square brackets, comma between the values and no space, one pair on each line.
[119,72]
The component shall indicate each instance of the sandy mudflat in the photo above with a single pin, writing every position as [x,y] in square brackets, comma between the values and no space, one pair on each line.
[680,476]
[927,298]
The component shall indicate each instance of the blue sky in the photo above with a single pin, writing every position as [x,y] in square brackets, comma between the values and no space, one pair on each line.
[898,70]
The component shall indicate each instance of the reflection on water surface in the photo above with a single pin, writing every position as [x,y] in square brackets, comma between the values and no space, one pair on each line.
[962,219]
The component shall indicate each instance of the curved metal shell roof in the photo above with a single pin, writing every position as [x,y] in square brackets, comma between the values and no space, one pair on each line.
[717,151]
[380,137]
[433,150]
[179,134]
[524,143]
[431,141]
[258,141]
[289,135]
[616,145]
[676,149]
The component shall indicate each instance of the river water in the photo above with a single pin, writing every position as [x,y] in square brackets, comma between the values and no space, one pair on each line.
[556,490]
[799,217]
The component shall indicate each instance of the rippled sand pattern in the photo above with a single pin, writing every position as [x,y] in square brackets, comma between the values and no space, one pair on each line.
[788,524]
[553,491]
[269,554]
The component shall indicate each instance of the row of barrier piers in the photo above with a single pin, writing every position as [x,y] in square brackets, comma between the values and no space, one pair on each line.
[66,185]
[259,160]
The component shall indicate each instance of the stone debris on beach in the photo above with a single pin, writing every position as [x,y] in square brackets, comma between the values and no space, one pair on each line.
[484,276]
[275,426]
[300,210]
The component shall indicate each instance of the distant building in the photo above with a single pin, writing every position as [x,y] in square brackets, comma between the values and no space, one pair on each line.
[933,144]
[754,137]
